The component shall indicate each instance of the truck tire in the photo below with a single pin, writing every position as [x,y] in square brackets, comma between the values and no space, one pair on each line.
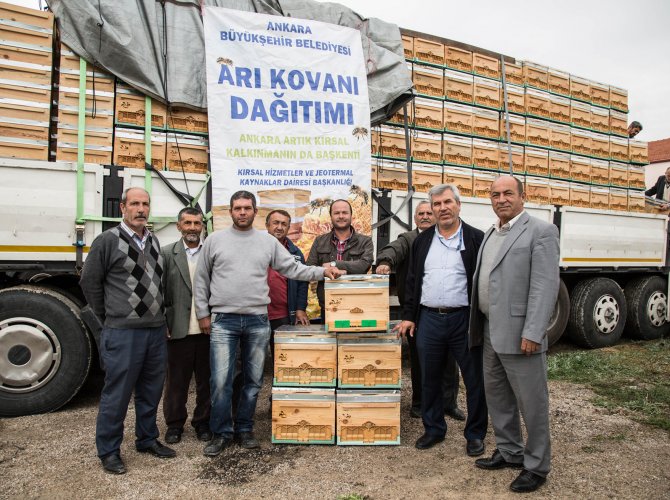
[559,318]
[647,305]
[597,313]
[45,350]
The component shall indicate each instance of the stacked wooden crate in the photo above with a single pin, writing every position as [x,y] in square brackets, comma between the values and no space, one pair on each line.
[562,127]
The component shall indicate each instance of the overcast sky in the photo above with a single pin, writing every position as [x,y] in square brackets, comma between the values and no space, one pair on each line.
[622,43]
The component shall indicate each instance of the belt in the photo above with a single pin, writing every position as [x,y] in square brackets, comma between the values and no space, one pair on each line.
[444,310]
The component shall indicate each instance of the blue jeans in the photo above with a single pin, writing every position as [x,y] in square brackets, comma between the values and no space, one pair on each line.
[252,333]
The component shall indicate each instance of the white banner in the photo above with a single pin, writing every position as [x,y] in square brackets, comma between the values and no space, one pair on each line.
[289,118]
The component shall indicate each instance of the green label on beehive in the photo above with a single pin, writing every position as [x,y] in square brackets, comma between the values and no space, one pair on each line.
[342,323]
[368,322]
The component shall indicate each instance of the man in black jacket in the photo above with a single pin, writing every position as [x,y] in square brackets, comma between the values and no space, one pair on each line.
[661,190]
[437,299]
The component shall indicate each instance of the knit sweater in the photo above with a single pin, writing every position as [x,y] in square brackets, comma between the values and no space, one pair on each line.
[122,283]
[489,253]
[233,269]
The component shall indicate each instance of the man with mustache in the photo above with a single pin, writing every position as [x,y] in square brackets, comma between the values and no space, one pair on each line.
[188,345]
[121,281]
[395,256]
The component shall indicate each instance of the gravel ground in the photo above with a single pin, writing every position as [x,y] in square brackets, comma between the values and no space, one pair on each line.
[596,454]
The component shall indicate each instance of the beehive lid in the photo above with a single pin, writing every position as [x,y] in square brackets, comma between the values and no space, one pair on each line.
[367,396]
[358,281]
[293,394]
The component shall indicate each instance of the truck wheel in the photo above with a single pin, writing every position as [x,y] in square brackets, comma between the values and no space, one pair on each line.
[597,313]
[559,318]
[647,304]
[45,351]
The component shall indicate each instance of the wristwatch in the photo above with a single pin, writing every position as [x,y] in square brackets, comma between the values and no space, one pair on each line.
[333,263]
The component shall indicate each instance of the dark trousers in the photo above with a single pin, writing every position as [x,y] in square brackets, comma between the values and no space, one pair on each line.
[438,335]
[450,381]
[186,357]
[133,360]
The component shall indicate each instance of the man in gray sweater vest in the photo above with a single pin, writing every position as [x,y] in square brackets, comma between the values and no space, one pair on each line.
[121,281]
[231,283]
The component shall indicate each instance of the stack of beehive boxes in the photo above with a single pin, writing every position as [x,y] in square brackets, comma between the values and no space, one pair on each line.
[568,135]
[354,352]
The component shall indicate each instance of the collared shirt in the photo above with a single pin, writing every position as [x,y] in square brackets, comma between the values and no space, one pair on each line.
[341,245]
[139,241]
[508,225]
[192,253]
[445,283]
[666,192]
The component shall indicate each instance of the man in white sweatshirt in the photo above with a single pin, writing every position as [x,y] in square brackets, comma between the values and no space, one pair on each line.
[231,283]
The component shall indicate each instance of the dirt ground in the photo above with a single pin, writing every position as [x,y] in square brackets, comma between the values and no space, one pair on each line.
[596,454]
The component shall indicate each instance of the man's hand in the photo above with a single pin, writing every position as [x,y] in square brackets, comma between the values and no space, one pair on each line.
[528,347]
[301,318]
[326,265]
[402,328]
[205,325]
[333,272]
[383,269]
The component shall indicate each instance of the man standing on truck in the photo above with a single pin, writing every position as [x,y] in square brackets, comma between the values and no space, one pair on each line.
[395,256]
[661,190]
[341,248]
[232,283]
[121,281]
[188,346]
[439,281]
[515,290]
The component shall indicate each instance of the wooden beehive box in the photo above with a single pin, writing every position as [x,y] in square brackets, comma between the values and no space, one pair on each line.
[460,177]
[559,165]
[485,154]
[600,119]
[457,58]
[513,73]
[129,150]
[390,142]
[428,80]
[305,355]
[618,199]
[618,174]
[560,137]
[26,16]
[559,81]
[481,183]
[429,51]
[580,88]
[600,145]
[303,416]
[636,201]
[392,175]
[428,113]
[537,161]
[560,192]
[600,198]
[486,123]
[486,92]
[537,132]
[458,86]
[619,99]
[581,141]
[188,153]
[518,163]
[368,417]
[600,172]
[24,119]
[357,303]
[485,65]
[399,116]
[517,128]
[600,94]
[27,93]
[538,190]
[187,120]
[516,99]
[538,103]
[457,150]
[580,114]
[535,75]
[619,148]
[580,195]
[131,108]
[636,177]
[425,177]
[580,168]
[638,152]
[458,118]
[373,174]
[427,146]
[559,108]
[368,361]
[618,123]
[408,46]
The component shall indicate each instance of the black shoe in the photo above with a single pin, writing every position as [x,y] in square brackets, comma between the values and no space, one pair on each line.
[427,441]
[203,433]
[415,412]
[216,446]
[159,450]
[497,461]
[247,440]
[112,464]
[527,482]
[456,413]
[474,447]
[173,435]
